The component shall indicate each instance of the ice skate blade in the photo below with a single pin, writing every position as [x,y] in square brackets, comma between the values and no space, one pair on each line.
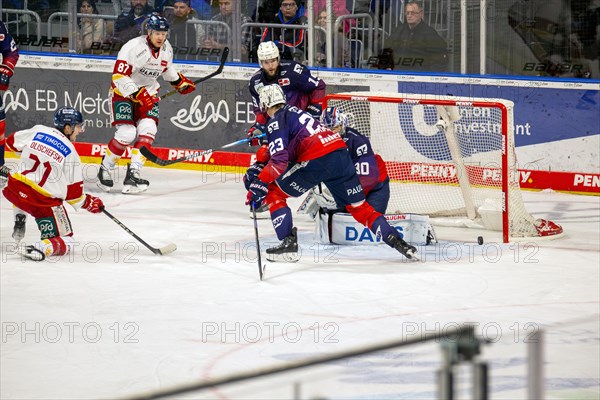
[283,257]
[134,189]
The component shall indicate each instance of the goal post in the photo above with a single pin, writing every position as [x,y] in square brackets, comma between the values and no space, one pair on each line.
[452,158]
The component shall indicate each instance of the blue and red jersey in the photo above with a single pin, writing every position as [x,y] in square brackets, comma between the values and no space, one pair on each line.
[369,166]
[8,48]
[294,136]
[300,87]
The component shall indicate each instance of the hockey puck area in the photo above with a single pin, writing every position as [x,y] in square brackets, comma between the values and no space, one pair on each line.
[480,240]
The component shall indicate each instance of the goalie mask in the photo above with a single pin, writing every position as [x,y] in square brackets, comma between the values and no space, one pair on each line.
[271,95]
[333,118]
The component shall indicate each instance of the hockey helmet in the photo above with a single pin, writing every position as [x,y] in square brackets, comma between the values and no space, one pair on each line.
[67,116]
[267,51]
[333,117]
[157,23]
[270,96]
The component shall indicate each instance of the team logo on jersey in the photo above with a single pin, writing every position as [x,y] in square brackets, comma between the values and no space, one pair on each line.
[283,81]
[2,37]
[163,63]
[149,72]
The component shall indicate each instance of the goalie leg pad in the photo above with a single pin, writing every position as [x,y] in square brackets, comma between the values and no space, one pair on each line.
[343,229]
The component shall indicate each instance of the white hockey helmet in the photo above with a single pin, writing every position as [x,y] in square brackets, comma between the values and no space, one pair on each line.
[271,95]
[267,51]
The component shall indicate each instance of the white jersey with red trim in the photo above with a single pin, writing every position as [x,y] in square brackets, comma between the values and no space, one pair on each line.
[138,65]
[49,165]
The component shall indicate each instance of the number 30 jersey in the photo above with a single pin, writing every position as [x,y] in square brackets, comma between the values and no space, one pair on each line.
[49,168]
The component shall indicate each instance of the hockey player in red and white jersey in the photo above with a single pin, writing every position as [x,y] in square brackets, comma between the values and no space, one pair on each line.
[140,62]
[50,173]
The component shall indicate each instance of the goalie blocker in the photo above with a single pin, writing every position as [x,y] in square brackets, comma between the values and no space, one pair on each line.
[342,229]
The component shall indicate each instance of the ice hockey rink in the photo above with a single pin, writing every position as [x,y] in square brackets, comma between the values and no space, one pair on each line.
[114,320]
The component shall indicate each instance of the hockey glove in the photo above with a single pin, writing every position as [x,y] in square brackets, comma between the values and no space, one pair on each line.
[144,100]
[257,193]
[93,204]
[255,130]
[5,74]
[252,174]
[183,85]
[314,110]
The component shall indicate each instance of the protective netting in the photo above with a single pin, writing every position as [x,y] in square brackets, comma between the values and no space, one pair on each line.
[444,156]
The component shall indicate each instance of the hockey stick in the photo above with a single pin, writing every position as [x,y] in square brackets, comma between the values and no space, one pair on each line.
[162,251]
[261,269]
[146,152]
[224,55]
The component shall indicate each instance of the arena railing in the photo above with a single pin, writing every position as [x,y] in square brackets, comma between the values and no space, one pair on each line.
[20,18]
[62,25]
[458,345]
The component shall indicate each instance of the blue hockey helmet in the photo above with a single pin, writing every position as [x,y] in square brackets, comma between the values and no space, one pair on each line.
[333,117]
[67,116]
[157,23]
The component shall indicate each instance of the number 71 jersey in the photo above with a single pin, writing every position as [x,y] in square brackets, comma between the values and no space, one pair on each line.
[49,166]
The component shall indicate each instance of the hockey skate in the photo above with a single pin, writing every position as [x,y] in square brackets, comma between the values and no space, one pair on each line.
[19,229]
[404,248]
[286,251]
[105,181]
[31,253]
[133,184]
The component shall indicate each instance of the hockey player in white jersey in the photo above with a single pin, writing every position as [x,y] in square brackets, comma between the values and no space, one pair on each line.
[140,62]
[50,173]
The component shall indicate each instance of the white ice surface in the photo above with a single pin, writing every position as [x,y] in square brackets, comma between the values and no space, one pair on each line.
[115,320]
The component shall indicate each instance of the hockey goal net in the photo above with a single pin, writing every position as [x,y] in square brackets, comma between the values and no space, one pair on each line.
[449,157]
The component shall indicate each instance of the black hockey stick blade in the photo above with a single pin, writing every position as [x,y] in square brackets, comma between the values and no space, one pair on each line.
[146,152]
[261,269]
[162,251]
[224,56]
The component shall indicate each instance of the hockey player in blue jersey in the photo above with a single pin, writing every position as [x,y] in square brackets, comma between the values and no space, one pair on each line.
[300,87]
[304,153]
[9,54]
[370,167]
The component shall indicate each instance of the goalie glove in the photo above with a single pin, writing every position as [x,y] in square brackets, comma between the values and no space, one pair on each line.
[5,74]
[93,204]
[315,110]
[144,100]
[257,193]
[252,173]
[183,85]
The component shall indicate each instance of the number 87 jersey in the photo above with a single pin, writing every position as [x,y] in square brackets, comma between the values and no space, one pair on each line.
[49,168]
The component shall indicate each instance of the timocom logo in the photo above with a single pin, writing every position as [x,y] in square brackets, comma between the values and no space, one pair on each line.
[587,180]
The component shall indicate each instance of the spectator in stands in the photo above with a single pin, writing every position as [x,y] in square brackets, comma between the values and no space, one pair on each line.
[339,9]
[130,23]
[290,41]
[181,34]
[217,38]
[91,30]
[343,51]
[417,46]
